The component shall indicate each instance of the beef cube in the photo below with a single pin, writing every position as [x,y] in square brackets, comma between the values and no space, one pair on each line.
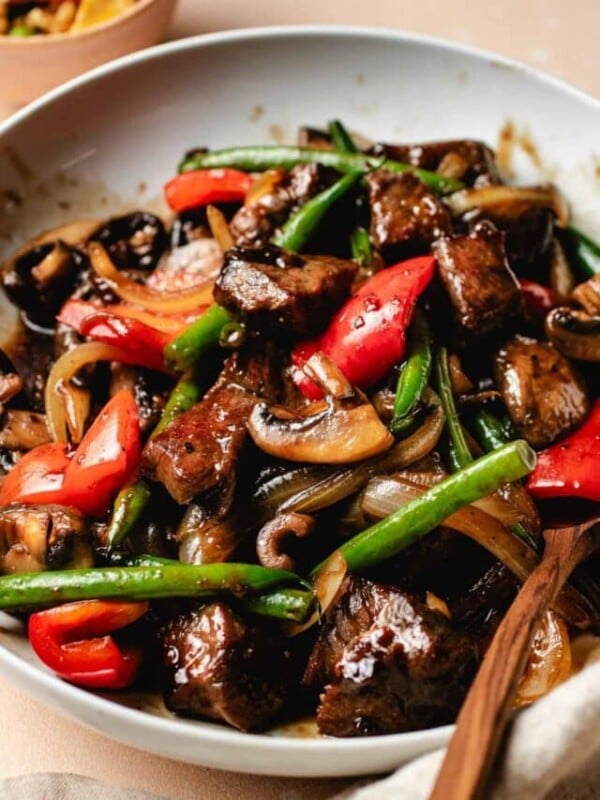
[392,664]
[406,217]
[254,225]
[544,395]
[479,160]
[482,288]
[276,291]
[220,667]
[356,608]
[200,449]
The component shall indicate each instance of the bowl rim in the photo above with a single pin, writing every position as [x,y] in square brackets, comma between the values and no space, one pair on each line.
[276,31]
[94,30]
[39,682]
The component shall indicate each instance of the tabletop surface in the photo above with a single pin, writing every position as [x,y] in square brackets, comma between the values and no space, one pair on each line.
[555,35]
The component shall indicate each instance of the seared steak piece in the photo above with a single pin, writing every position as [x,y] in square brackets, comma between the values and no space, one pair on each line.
[392,664]
[199,450]
[221,667]
[405,216]
[482,288]
[275,290]
[479,160]
[356,607]
[255,224]
[480,610]
[529,231]
[544,395]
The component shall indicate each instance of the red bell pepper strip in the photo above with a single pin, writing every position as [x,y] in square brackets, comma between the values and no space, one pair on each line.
[105,457]
[88,479]
[367,336]
[571,468]
[142,343]
[205,186]
[73,641]
[37,477]
[538,299]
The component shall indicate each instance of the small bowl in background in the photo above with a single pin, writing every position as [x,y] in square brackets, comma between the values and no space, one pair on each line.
[31,66]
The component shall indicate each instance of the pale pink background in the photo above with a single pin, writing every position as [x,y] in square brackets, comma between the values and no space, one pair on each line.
[560,36]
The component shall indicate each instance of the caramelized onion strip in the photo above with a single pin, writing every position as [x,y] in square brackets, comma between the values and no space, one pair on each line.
[179,302]
[58,393]
[383,495]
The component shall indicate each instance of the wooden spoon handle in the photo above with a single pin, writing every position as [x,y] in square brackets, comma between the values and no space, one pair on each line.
[486,710]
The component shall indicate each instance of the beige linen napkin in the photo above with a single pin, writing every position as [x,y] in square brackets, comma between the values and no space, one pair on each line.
[553,753]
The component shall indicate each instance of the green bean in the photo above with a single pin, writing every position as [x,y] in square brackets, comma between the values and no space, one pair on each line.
[261,158]
[489,431]
[583,251]
[340,138]
[133,500]
[414,375]
[303,223]
[453,427]
[184,396]
[233,335]
[360,245]
[292,604]
[202,335]
[128,508]
[360,241]
[150,581]
[420,516]
[280,603]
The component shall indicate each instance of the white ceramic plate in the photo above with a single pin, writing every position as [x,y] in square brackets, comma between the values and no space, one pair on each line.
[111,138]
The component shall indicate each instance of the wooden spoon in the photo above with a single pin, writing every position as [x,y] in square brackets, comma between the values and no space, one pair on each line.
[487,709]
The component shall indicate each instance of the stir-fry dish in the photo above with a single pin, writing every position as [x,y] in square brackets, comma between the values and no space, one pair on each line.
[290,451]
[23,18]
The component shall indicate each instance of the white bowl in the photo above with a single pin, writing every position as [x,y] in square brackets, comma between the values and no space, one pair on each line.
[111,138]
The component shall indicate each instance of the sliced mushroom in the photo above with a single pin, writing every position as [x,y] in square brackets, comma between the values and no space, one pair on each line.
[39,278]
[461,383]
[34,538]
[275,536]
[587,294]
[342,428]
[133,241]
[23,430]
[11,383]
[575,333]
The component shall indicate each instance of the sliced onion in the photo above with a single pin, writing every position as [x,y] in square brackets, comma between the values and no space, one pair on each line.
[77,403]
[138,294]
[313,489]
[585,650]
[327,583]
[549,662]
[58,383]
[264,185]
[219,228]
[73,233]
[510,505]
[495,199]
[384,495]
[166,323]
